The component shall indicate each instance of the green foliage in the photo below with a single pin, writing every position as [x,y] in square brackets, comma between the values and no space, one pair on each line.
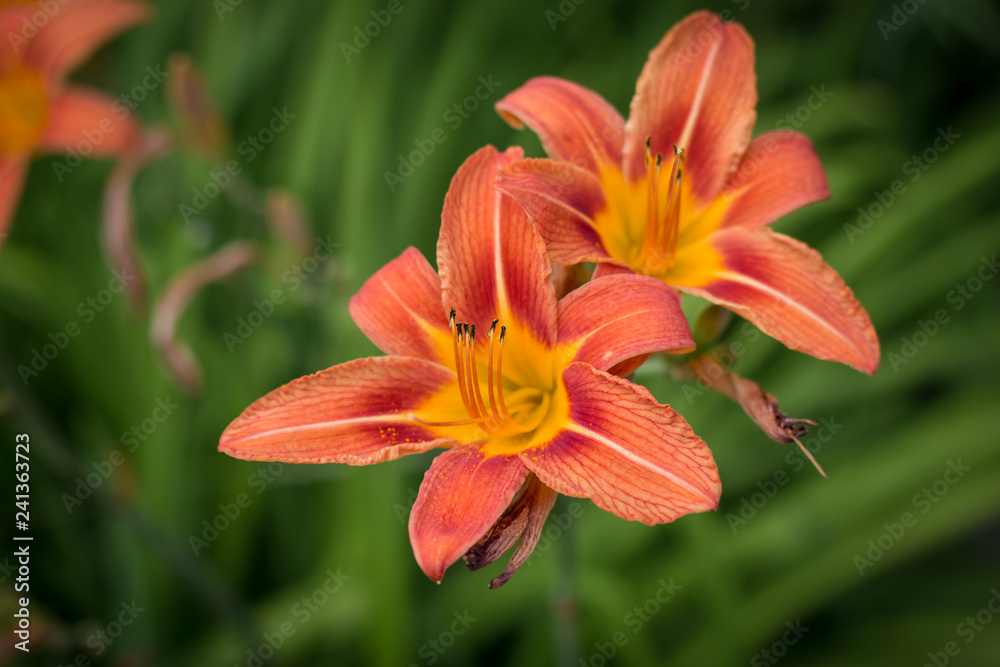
[744,573]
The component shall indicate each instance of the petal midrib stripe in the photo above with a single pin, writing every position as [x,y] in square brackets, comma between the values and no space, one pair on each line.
[318,426]
[764,287]
[636,314]
[501,285]
[699,96]
[638,460]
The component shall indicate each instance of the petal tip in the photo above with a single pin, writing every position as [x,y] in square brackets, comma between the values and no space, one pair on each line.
[431,564]
[508,116]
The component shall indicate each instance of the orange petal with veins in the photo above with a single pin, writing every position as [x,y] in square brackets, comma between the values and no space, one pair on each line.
[461,497]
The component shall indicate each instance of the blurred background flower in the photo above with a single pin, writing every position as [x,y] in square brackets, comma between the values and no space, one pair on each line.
[153,549]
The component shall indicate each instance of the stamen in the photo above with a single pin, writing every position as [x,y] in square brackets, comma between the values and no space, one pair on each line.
[468,369]
[489,375]
[471,346]
[650,241]
[672,211]
[497,419]
[459,368]
[659,245]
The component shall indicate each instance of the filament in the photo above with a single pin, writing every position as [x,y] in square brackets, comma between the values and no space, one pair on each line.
[495,419]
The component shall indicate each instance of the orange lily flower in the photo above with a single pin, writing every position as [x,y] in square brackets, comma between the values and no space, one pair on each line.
[484,361]
[39,112]
[682,193]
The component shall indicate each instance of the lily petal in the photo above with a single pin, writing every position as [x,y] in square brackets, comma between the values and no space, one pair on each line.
[613,319]
[399,308]
[463,494]
[354,413]
[785,288]
[575,124]
[632,456]
[490,259]
[561,200]
[697,91]
[605,269]
[13,169]
[629,366]
[779,174]
[77,29]
[82,116]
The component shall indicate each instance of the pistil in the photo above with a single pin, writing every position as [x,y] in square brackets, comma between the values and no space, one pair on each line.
[659,245]
[672,212]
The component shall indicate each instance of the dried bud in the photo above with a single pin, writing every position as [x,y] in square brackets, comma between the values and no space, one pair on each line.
[179,292]
[118,225]
[759,405]
[287,219]
[201,124]
[523,520]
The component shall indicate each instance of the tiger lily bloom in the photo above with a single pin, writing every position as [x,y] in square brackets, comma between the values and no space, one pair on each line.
[682,193]
[485,362]
[39,112]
